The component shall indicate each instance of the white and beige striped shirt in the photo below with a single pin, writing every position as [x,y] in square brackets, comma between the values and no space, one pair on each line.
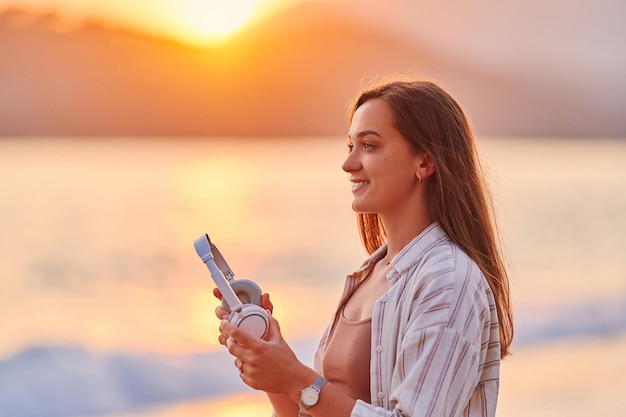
[435,342]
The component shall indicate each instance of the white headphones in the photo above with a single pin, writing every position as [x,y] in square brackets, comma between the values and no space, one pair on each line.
[248,315]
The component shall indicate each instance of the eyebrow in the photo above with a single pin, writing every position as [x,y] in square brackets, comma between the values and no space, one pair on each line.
[364,133]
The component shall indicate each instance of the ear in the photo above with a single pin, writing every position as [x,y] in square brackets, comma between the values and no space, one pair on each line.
[425,166]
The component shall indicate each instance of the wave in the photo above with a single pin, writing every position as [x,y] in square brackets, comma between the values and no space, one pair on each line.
[593,318]
[63,381]
[72,381]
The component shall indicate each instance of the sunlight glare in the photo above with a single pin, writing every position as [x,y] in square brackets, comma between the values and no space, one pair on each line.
[214,21]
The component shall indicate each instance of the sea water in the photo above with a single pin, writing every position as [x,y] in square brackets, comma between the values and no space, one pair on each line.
[106,308]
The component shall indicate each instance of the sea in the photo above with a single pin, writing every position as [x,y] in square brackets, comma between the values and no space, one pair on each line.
[106,310]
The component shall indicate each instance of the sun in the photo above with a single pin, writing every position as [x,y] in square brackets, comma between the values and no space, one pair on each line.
[214,21]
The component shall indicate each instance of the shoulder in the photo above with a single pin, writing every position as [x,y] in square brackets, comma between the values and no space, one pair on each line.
[446,288]
[439,264]
[447,265]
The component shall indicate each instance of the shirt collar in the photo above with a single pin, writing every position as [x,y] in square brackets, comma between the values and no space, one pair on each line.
[412,253]
[374,257]
[417,248]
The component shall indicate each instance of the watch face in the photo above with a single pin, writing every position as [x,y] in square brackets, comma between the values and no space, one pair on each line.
[309,397]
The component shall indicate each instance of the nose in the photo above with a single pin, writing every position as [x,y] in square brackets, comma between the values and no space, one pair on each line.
[351,163]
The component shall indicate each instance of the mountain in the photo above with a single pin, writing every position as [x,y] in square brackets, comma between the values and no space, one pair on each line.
[292,74]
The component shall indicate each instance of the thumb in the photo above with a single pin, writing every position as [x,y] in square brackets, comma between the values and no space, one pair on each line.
[273,332]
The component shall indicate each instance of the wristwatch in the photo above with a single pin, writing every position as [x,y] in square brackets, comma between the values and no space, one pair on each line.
[311,395]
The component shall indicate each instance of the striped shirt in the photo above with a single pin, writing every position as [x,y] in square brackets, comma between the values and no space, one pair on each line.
[435,349]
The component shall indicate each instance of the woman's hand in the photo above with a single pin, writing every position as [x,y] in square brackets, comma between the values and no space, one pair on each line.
[268,365]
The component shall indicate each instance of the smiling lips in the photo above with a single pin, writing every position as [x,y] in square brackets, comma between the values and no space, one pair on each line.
[358,184]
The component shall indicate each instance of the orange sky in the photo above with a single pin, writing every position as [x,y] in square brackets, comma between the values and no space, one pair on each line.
[199,22]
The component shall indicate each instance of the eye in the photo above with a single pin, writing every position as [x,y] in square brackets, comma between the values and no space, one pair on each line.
[350,146]
[367,145]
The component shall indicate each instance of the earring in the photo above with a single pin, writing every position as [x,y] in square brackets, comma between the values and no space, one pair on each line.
[419,178]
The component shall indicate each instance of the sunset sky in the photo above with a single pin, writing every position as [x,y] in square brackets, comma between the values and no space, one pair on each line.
[562,57]
[197,22]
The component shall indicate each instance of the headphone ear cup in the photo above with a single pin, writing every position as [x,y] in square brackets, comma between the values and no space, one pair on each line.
[252,319]
[247,291]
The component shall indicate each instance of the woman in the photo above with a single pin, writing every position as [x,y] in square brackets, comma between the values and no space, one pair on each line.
[422,325]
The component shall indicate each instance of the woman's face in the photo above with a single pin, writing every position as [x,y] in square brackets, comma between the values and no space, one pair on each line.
[383,169]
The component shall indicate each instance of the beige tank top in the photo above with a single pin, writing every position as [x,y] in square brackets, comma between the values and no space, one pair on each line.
[346,361]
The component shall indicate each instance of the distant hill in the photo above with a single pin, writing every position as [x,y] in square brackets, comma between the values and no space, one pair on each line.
[292,74]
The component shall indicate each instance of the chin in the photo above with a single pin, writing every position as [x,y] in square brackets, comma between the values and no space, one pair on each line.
[359,207]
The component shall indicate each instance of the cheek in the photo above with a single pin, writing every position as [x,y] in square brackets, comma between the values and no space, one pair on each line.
[398,169]
[393,185]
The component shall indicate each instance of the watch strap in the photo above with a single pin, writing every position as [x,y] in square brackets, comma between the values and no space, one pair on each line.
[319,383]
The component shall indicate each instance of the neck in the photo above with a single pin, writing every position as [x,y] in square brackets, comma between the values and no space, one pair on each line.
[399,239]
[401,230]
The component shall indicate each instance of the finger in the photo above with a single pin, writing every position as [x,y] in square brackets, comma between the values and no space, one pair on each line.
[221,313]
[232,342]
[226,328]
[242,375]
[238,350]
[222,339]
[266,303]
[241,337]
[217,293]
[233,347]
[273,331]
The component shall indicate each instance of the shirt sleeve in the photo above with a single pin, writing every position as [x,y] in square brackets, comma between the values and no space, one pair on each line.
[437,373]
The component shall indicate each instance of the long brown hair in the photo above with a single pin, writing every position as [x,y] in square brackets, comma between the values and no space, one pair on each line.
[433,122]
